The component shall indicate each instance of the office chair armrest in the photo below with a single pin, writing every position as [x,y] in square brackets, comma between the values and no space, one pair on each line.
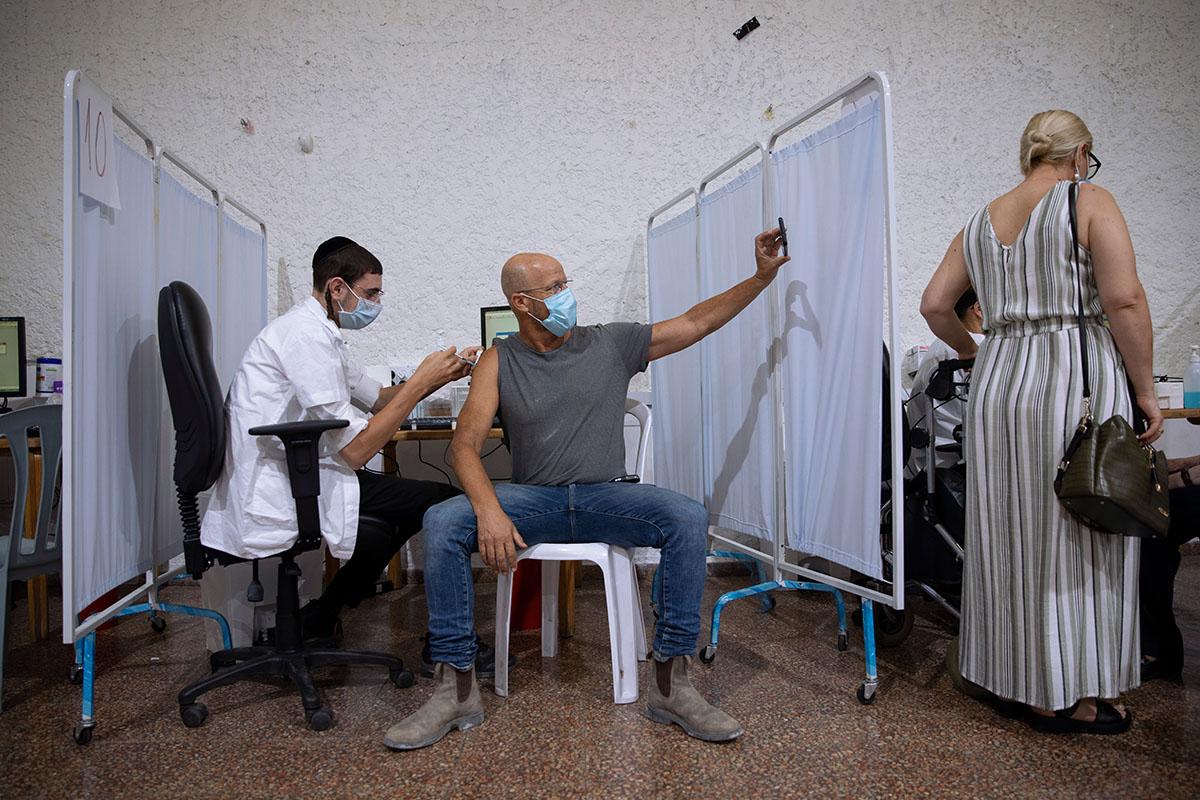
[305,427]
[300,441]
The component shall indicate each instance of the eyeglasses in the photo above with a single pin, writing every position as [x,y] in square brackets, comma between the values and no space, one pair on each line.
[553,289]
[374,295]
[1093,165]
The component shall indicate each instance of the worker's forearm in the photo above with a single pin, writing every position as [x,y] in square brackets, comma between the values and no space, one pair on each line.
[383,425]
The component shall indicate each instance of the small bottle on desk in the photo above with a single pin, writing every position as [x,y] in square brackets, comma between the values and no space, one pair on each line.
[1191,381]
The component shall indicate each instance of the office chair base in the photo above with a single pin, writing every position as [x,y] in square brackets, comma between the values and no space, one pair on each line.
[240,663]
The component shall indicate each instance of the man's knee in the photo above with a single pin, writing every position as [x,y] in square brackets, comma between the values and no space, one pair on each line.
[690,518]
[448,524]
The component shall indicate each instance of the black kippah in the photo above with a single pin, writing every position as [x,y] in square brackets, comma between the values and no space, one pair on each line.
[331,246]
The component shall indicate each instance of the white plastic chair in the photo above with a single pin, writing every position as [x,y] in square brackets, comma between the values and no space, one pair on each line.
[626,629]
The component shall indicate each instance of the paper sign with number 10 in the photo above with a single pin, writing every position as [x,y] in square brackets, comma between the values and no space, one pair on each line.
[97,158]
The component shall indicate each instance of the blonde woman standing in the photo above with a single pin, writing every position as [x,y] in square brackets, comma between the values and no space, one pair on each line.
[1049,605]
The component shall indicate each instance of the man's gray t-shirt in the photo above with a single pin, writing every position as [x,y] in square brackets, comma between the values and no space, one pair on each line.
[564,410]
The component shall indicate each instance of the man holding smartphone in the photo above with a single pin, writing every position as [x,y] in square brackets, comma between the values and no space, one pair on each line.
[562,389]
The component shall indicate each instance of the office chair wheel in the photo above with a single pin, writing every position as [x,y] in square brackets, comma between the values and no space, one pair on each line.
[76,676]
[864,696]
[83,732]
[158,624]
[193,714]
[708,653]
[401,677]
[319,719]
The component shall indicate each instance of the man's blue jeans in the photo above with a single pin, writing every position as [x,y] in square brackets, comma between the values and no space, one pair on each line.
[623,514]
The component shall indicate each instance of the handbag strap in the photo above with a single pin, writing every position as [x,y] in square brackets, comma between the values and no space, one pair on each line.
[1087,384]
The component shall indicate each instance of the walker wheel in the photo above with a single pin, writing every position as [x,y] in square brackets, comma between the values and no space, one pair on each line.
[866,696]
[403,678]
[708,653]
[76,676]
[158,624]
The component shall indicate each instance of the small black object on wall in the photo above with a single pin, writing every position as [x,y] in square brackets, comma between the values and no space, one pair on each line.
[747,26]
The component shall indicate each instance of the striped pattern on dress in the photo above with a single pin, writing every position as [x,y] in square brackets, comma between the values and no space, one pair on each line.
[1049,607]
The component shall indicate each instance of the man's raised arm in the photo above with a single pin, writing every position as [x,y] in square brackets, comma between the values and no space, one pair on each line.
[678,333]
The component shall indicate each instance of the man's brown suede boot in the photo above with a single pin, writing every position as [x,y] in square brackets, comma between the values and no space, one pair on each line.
[674,700]
[455,704]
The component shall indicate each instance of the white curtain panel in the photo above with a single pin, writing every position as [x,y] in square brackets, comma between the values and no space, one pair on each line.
[741,458]
[187,240]
[674,288]
[243,294]
[114,461]
[828,187]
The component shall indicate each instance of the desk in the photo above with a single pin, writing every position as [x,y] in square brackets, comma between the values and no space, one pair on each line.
[1192,415]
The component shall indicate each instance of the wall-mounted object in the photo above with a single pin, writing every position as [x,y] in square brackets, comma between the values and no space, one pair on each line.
[747,26]
[306,143]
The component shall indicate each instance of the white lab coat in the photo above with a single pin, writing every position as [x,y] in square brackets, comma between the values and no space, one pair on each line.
[295,369]
[949,414]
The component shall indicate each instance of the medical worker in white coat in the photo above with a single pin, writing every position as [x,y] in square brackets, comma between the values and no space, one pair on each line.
[297,368]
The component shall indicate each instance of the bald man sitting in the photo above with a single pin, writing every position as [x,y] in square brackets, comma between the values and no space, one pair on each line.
[563,390]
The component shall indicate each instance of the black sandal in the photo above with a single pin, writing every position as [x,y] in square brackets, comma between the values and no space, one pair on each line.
[1010,709]
[1108,721]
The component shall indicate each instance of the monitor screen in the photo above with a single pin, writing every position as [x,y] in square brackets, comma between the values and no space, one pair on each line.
[12,357]
[496,322]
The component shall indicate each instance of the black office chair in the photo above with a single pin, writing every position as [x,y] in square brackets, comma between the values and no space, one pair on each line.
[197,409]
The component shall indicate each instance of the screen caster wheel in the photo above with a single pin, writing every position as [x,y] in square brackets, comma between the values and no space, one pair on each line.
[83,732]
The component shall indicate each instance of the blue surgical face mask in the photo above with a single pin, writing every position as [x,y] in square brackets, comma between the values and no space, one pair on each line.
[562,312]
[363,314]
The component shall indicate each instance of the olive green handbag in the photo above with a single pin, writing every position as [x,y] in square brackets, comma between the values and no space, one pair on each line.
[1107,477]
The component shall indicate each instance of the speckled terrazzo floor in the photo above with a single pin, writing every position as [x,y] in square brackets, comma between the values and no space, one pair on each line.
[559,734]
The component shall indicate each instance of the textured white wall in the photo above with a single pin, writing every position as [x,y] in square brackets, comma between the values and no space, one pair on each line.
[450,135]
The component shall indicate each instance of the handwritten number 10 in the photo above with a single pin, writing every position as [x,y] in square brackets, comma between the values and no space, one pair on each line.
[93,137]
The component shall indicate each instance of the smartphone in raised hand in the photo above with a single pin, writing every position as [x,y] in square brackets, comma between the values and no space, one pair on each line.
[783,235]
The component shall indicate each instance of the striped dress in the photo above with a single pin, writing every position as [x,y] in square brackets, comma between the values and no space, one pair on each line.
[1049,607]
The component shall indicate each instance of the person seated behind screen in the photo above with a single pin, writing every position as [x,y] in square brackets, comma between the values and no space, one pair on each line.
[1162,642]
[298,368]
[949,413]
[562,390]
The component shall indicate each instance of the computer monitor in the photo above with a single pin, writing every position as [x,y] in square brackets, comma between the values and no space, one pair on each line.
[496,322]
[12,357]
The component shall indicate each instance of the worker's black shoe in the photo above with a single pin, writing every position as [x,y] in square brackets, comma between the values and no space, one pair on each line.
[485,658]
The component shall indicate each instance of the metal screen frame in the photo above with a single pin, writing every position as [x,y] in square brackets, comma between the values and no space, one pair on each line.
[778,550]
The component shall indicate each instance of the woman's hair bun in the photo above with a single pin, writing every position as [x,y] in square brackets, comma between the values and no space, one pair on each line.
[1052,137]
[1039,143]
